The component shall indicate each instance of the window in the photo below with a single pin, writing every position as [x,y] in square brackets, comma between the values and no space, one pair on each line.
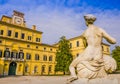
[77,54]
[0,53]
[0,41]
[16,34]
[29,37]
[1,32]
[35,69]
[28,46]
[22,36]
[36,56]
[36,47]
[37,39]
[107,49]
[43,68]
[70,45]
[50,68]
[50,49]
[44,58]
[28,56]
[7,53]
[21,55]
[77,43]
[9,32]
[44,49]
[26,68]
[14,55]
[50,58]
[102,48]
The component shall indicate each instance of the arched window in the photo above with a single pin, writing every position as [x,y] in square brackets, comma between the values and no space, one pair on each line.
[7,53]
[14,54]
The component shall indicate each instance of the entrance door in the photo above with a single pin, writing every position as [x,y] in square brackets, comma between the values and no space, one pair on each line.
[12,68]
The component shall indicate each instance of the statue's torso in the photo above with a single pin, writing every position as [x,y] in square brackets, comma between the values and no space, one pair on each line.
[94,40]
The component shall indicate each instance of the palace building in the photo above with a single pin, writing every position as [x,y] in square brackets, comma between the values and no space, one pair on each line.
[22,51]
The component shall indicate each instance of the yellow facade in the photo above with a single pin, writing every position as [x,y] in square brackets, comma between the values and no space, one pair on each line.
[15,38]
[22,51]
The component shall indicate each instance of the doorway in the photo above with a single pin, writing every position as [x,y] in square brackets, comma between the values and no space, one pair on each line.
[12,68]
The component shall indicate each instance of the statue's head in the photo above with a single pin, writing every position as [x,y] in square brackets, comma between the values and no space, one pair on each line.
[89,18]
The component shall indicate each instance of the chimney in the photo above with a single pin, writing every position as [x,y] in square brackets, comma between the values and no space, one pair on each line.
[34,27]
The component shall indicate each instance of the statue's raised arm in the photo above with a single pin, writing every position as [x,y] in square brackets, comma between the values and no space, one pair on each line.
[108,37]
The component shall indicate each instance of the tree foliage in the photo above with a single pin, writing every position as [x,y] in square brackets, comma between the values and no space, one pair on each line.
[63,55]
[116,56]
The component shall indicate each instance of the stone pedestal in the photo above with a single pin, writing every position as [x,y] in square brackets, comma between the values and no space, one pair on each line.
[95,81]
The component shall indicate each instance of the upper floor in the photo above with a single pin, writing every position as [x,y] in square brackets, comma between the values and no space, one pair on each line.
[15,28]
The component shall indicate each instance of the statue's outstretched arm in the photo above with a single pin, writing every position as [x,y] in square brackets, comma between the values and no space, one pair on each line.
[108,37]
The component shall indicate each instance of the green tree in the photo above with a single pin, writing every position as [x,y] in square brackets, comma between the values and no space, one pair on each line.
[116,56]
[63,56]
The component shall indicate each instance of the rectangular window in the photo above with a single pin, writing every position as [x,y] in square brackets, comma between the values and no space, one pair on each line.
[107,49]
[29,37]
[44,58]
[36,56]
[102,48]
[77,43]
[0,53]
[28,46]
[44,49]
[37,39]
[1,32]
[50,58]
[26,68]
[36,47]
[50,49]
[50,68]
[77,54]
[9,32]
[28,56]
[16,34]
[0,41]
[43,68]
[22,36]
[70,45]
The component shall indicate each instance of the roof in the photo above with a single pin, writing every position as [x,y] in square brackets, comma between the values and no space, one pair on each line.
[75,37]
[48,45]
[17,26]
[5,16]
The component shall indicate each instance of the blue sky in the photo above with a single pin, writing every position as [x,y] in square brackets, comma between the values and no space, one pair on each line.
[65,17]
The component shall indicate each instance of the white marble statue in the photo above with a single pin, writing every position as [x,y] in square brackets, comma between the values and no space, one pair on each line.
[91,64]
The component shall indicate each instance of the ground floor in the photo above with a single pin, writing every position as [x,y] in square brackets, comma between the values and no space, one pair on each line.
[11,67]
[41,79]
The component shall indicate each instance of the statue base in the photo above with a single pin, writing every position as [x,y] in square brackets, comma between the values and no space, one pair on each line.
[96,81]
